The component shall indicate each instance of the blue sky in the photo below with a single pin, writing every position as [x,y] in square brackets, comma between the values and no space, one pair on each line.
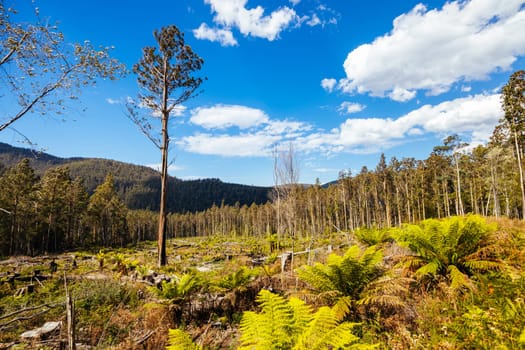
[344,81]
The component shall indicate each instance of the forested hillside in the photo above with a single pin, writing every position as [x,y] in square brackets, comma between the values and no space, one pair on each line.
[139,186]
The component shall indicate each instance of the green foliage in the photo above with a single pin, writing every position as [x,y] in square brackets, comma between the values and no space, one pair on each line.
[273,327]
[454,248]
[180,287]
[346,275]
[291,324]
[373,236]
[239,278]
[180,340]
[94,294]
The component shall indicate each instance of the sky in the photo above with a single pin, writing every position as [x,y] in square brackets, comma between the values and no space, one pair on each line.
[343,81]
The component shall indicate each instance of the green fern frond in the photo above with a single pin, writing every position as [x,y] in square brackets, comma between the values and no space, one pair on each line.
[302,314]
[431,268]
[522,337]
[352,253]
[180,340]
[188,283]
[458,280]
[373,236]
[317,276]
[254,332]
[371,257]
[484,265]
[342,307]
[239,278]
[272,328]
[324,332]
[388,291]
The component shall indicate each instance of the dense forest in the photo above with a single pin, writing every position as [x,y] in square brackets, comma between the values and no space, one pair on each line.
[139,186]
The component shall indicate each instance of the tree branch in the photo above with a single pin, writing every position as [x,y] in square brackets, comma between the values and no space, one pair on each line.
[14,49]
[47,90]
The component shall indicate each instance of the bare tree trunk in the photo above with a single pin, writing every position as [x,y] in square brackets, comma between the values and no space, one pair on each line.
[518,154]
[161,236]
[70,316]
[459,200]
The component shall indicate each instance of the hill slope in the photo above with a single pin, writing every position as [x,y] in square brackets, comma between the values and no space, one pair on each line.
[139,186]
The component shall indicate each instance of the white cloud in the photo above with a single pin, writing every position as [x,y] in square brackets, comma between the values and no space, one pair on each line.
[113,101]
[401,95]
[224,116]
[178,110]
[350,107]
[251,22]
[244,145]
[286,128]
[314,20]
[295,2]
[258,137]
[328,84]
[223,36]
[433,49]
[473,116]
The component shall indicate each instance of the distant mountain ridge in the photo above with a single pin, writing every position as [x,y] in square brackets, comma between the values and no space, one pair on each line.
[139,186]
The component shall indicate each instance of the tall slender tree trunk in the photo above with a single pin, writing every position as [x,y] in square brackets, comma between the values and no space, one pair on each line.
[161,238]
[161,235]
[518,154]
[459,200]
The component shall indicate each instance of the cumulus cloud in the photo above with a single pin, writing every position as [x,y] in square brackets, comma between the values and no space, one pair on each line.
[257,22]
[328,84]
[223,36]
[431,50]
[350,107]
[224,116]
[256,136]
[475,116]
[244,145]
[250,22]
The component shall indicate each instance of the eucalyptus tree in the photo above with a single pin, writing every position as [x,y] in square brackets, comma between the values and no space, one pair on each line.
[513,102]
[166,80]
[39,71]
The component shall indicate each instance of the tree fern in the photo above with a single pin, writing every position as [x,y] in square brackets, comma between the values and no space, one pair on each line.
[179,287]
[345,275]
[453,248]
[386,292]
